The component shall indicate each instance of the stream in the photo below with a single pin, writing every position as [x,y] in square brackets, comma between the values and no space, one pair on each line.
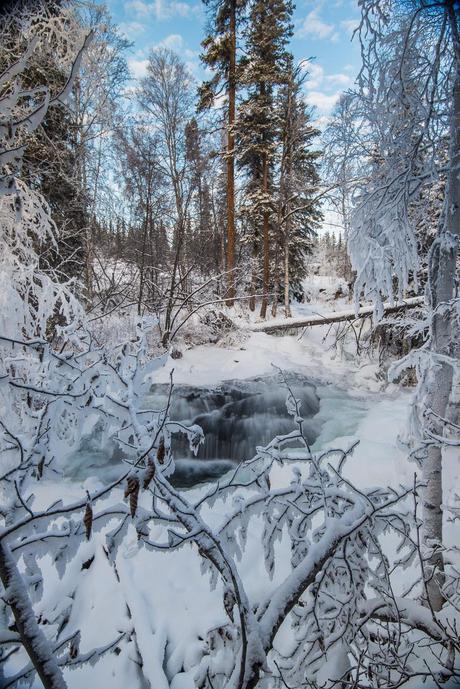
[236,417]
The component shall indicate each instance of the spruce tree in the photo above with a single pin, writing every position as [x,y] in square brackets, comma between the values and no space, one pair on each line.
[262,72]
[299,210]
[201,240]
[220,55]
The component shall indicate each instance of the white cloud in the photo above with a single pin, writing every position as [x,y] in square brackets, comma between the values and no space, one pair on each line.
[323,101]
[166,9]
[314,25]
[343,80]
[193,67]
[131,29]
[177,43]
[322,121]
[349,25]
[137,67]
[138,64]
[174,42]
[162,10]
[323,90]
[315,75]
[138,7]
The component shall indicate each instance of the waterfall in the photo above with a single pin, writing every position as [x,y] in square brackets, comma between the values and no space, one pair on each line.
[236,417]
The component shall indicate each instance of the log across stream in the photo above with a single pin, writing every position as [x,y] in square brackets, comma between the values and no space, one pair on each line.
[336,317]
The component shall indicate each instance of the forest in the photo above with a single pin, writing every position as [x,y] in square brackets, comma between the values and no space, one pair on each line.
[229,345]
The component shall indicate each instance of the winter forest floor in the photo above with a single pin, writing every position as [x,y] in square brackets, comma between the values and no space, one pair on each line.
[171,605]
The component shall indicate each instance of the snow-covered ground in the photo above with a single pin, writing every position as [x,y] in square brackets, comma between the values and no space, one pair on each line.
[170,601]
[253,354]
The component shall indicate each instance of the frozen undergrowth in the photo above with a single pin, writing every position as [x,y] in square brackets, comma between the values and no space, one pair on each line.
[170,600]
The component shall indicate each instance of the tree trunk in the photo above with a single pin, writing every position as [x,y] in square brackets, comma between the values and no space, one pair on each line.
[142,258]
[285,186]
[231,158]
[276,290]
[336,317]
[444,339]
[172,290]
[266,244]
[153,262]
[177,242]
[287,306]
[254,264]
[32,638]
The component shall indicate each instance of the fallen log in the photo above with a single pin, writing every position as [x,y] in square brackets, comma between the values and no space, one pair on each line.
[337,317]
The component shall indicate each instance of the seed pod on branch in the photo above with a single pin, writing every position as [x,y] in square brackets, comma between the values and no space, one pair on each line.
[132,491]
[148,474]
[130,485]
[229,602]
[133,499]
[40,467]
[161,451]
[88,520]
[74,647]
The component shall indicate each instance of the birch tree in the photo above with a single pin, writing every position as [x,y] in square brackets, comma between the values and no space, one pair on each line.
[421,98]
[346,156]
[30,296]
[166,95]
[97,113]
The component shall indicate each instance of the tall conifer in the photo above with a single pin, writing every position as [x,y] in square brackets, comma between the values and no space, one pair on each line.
[220,55]
[262,72]
[299,210]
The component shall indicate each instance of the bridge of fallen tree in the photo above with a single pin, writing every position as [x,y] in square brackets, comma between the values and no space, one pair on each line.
[350,315]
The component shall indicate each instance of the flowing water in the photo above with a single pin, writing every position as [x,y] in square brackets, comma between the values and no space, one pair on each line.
[236,417]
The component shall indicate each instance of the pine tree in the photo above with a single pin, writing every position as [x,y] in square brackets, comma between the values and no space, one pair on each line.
[298,212]
[219,207]
[263,71]
[220,55]
[201,240]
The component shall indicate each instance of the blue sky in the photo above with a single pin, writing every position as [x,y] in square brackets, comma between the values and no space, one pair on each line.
[322,31]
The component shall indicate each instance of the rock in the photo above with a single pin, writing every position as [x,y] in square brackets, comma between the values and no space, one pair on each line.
[218,323]
[176,353]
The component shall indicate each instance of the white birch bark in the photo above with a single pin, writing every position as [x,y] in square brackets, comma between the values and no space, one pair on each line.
[33,639]
[444,335]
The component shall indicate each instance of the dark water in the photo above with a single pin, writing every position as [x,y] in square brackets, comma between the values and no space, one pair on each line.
[236,417]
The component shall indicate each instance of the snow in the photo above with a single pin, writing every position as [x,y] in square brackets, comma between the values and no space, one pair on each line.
[168,596]
[163,587]
[209,364]
[310,352]
[162,601]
